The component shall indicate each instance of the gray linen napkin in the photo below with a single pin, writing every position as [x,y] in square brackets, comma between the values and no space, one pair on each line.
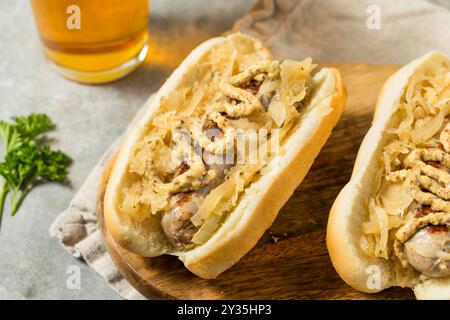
[328,30]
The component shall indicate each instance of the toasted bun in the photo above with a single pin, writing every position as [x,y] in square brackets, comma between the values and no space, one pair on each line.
[263,199]
[349,210]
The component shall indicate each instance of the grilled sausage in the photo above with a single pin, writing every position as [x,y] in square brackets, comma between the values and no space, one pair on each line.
[176,222]
[422,248]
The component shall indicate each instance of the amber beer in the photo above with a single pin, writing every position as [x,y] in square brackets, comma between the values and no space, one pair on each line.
[93,41]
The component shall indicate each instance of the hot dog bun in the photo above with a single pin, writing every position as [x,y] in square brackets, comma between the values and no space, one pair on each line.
[350,209]
[258,207]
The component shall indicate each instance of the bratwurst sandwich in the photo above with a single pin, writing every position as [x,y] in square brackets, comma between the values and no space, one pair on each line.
[220,149]
[390,225]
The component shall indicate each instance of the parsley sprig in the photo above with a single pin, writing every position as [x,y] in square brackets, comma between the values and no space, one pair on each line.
[28,161]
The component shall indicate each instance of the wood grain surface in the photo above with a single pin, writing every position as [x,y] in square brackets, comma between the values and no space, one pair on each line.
[290,261]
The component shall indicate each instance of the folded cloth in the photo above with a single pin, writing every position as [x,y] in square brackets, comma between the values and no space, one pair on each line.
[368,31]
[364,31]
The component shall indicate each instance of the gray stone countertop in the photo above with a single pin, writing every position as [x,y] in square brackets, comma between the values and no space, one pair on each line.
[32,264]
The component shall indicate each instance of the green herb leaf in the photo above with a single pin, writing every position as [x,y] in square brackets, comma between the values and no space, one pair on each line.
[27,161]
[31,126]
[11,138]
[52,165]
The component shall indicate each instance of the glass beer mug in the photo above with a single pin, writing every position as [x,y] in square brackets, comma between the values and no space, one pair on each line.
[93,41]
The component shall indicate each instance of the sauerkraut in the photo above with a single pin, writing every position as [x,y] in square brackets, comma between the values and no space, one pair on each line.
[420,116]
[231,90]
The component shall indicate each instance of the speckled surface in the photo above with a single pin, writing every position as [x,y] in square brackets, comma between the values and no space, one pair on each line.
[89,118]
[32,264]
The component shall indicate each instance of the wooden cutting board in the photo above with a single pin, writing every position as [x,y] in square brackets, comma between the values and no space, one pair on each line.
[291,260]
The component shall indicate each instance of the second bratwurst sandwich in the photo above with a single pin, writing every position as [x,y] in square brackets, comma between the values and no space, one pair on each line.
[390,225]
[218,152]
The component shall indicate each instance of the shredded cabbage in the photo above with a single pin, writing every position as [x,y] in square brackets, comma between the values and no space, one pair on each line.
[225,196]
[157,157]
[422,111]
